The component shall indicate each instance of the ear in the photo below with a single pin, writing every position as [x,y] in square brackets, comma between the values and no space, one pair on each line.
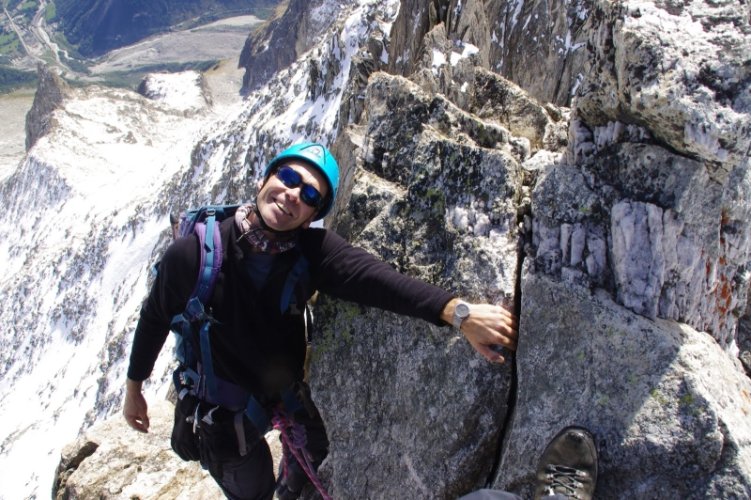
[260,183]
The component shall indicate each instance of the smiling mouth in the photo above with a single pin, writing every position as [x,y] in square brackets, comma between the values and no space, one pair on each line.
[284,210]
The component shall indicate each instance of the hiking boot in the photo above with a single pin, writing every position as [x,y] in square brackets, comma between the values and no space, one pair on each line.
[568,466]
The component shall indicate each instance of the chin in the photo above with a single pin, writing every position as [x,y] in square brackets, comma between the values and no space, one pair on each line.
[277,222]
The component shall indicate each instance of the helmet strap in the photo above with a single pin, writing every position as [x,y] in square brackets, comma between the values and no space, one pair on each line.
[268,228]
[258,235]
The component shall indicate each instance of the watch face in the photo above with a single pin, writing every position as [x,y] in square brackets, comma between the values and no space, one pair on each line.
[462,310]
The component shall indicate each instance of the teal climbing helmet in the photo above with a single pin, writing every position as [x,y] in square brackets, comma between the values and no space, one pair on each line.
[319,157]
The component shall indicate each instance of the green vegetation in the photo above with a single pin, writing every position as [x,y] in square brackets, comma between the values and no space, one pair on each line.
[50,12]
[11,79]
[686,400]
[274,12]
[94,33]
[658,396]
[9,44]
[29,6]
[267,13]
[66,46]
[16,7]
[339,335]
[75,64]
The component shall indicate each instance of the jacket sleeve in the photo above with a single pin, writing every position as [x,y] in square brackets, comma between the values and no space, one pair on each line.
[351,273]
[176,276]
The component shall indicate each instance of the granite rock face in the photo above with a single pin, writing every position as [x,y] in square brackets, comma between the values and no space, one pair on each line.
[627,211]
[664,424]
[418,439]
[269,51]
[662,152]
[539,45]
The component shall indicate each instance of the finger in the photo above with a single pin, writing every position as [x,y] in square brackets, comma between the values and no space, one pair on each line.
[511,318]
[139,424]
[489,354]
[510,322]
[509,344]
[505,334]
[499,339]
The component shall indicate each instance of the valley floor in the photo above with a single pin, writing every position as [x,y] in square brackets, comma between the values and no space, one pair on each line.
[13,108]
[220,40]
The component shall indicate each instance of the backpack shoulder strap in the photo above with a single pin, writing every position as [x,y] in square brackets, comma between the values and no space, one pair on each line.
[204,223]
[296,275]
[210,251]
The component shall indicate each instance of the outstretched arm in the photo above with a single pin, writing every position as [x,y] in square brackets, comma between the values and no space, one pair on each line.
[487,327]
[351,273]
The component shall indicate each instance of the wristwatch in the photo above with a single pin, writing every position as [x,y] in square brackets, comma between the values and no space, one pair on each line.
[461,312]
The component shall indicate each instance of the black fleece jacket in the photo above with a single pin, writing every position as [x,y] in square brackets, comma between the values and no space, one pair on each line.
[255,344]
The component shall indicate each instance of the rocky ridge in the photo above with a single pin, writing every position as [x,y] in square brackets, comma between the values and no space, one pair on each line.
[607,204]
[632,201]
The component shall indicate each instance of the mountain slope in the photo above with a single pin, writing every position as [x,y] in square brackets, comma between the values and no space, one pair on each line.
[74,273]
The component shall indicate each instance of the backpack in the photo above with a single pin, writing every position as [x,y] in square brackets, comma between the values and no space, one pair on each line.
[204,223]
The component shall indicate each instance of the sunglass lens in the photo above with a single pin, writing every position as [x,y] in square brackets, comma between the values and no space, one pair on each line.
[291,178]
[310,195]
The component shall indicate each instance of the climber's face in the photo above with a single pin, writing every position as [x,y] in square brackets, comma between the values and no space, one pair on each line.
[291,195]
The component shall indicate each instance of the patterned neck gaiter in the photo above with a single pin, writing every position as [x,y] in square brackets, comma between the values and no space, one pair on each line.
[261,240]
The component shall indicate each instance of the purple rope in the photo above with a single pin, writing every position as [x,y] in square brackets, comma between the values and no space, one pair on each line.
[296,444]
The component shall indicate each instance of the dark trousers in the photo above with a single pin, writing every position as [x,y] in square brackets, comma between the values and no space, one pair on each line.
[251,477]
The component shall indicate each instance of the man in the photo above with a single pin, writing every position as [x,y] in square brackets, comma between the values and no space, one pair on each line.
[257,347]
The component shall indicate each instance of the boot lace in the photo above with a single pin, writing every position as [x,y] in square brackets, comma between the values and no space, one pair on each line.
[563,480]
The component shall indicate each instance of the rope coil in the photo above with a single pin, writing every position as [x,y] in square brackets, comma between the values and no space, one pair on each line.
[294,438]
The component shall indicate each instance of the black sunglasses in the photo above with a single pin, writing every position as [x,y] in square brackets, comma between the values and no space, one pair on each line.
[292,179]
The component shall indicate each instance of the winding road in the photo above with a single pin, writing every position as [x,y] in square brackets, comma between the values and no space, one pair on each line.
[36,42]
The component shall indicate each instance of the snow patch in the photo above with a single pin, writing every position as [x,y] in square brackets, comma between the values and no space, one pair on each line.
[181,91]
[468,50]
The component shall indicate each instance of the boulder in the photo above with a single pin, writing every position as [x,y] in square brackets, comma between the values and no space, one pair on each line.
[668,408]
[111,460]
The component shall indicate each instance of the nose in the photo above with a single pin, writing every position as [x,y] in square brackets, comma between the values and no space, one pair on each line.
[293,194]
